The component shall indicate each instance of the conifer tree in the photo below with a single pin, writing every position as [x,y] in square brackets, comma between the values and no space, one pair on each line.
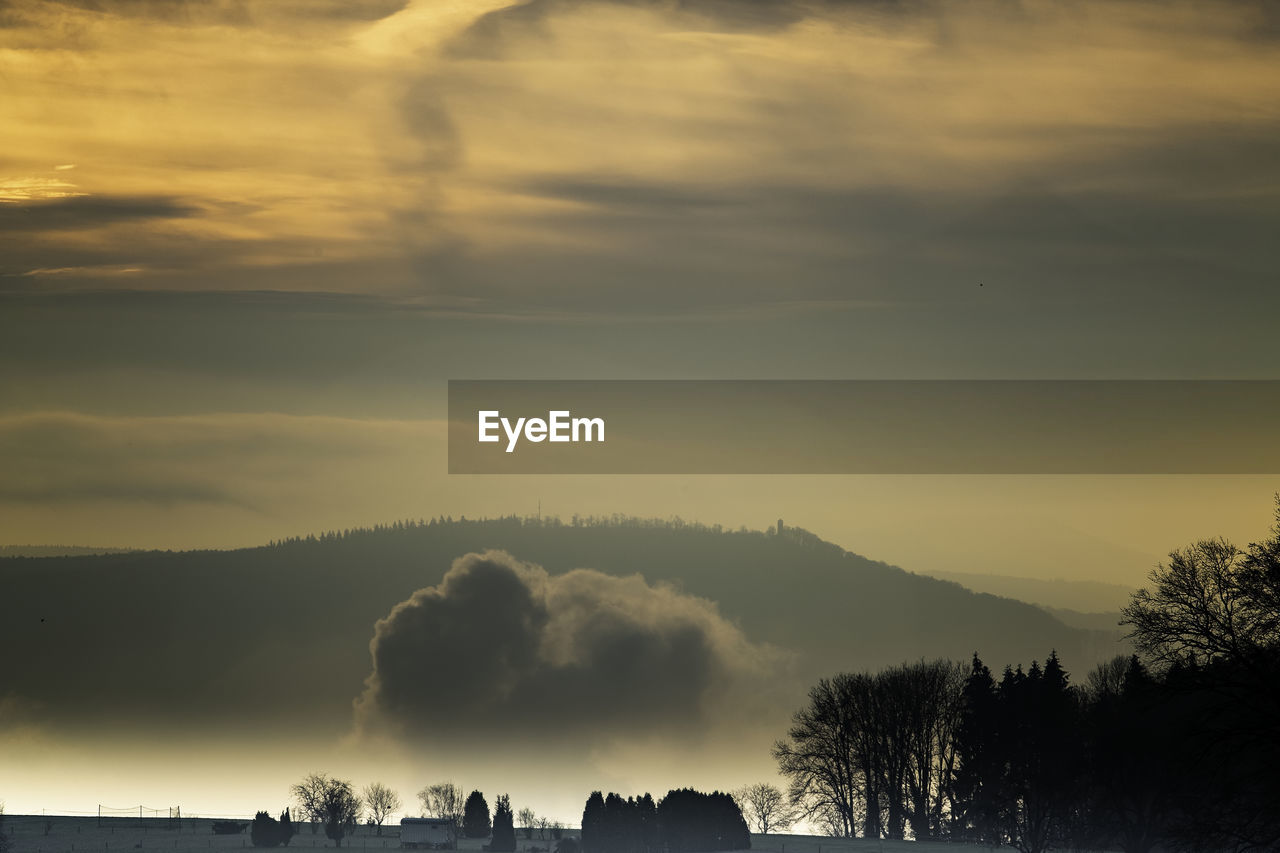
[504,828]
[475,816]
[592,823]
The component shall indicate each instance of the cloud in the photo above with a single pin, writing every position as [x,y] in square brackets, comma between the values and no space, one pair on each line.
[606,157]
[65,459]
[77,212]
[496,31]
[501,648]
[238,12]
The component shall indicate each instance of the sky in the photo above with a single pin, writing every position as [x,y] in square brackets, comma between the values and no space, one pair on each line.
[243,246]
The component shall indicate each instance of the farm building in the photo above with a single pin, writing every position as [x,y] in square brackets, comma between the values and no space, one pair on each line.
[430,833]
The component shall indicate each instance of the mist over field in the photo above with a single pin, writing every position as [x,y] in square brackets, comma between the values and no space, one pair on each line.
[608,650]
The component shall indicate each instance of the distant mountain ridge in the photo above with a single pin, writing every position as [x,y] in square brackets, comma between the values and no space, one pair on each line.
[167,637]
[1092,621]
[1081,596]
[58,550]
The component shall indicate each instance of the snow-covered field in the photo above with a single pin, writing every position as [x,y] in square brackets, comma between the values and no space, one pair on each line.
[87,835]
[76,834]
[824,844]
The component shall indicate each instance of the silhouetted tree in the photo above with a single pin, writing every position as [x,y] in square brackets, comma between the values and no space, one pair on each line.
[689,820]
[340,809]
[504,830]
[593,824]
[766,808]
[646,816]
[1021,779]
[1132,786]
[819,758]
[1047,776]
[475,816]
[1197,608]
[934,694]
[444,800]
[1211,623]
[877,751]
[1223,722]
[309,794]
[1108,678]
[527,820]
[380,801]
[266,831]
[979,782]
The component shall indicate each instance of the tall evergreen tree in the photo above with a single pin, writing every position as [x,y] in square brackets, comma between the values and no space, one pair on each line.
[504,829]
[1043,753]
[979,779]
[614,825]
[647,818]
[475,816]
[592,824]
[1021,773]
[287,829]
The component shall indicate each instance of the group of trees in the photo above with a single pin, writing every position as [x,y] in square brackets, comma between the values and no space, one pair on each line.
[871,754]
[1022,763]
[1209,623]
[470,817]
[616,520]
[335,805]
[614,825]
[266,831]
[1177,746]
[685,820]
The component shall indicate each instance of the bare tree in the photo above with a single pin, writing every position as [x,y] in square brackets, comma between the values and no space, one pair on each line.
[380,801]
[330,802]
[874,753]
[309,795]
[766,808]
[820,759]
[443,800]
[527,821]
[1210,602]
[1106,680]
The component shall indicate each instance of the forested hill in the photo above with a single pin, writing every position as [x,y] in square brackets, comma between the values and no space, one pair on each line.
[56,550]
[171,635]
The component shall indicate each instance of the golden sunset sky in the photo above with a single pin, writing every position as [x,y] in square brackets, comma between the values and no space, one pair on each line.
[244,244]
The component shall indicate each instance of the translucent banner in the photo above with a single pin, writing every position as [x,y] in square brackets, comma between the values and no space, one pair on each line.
[864,427]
